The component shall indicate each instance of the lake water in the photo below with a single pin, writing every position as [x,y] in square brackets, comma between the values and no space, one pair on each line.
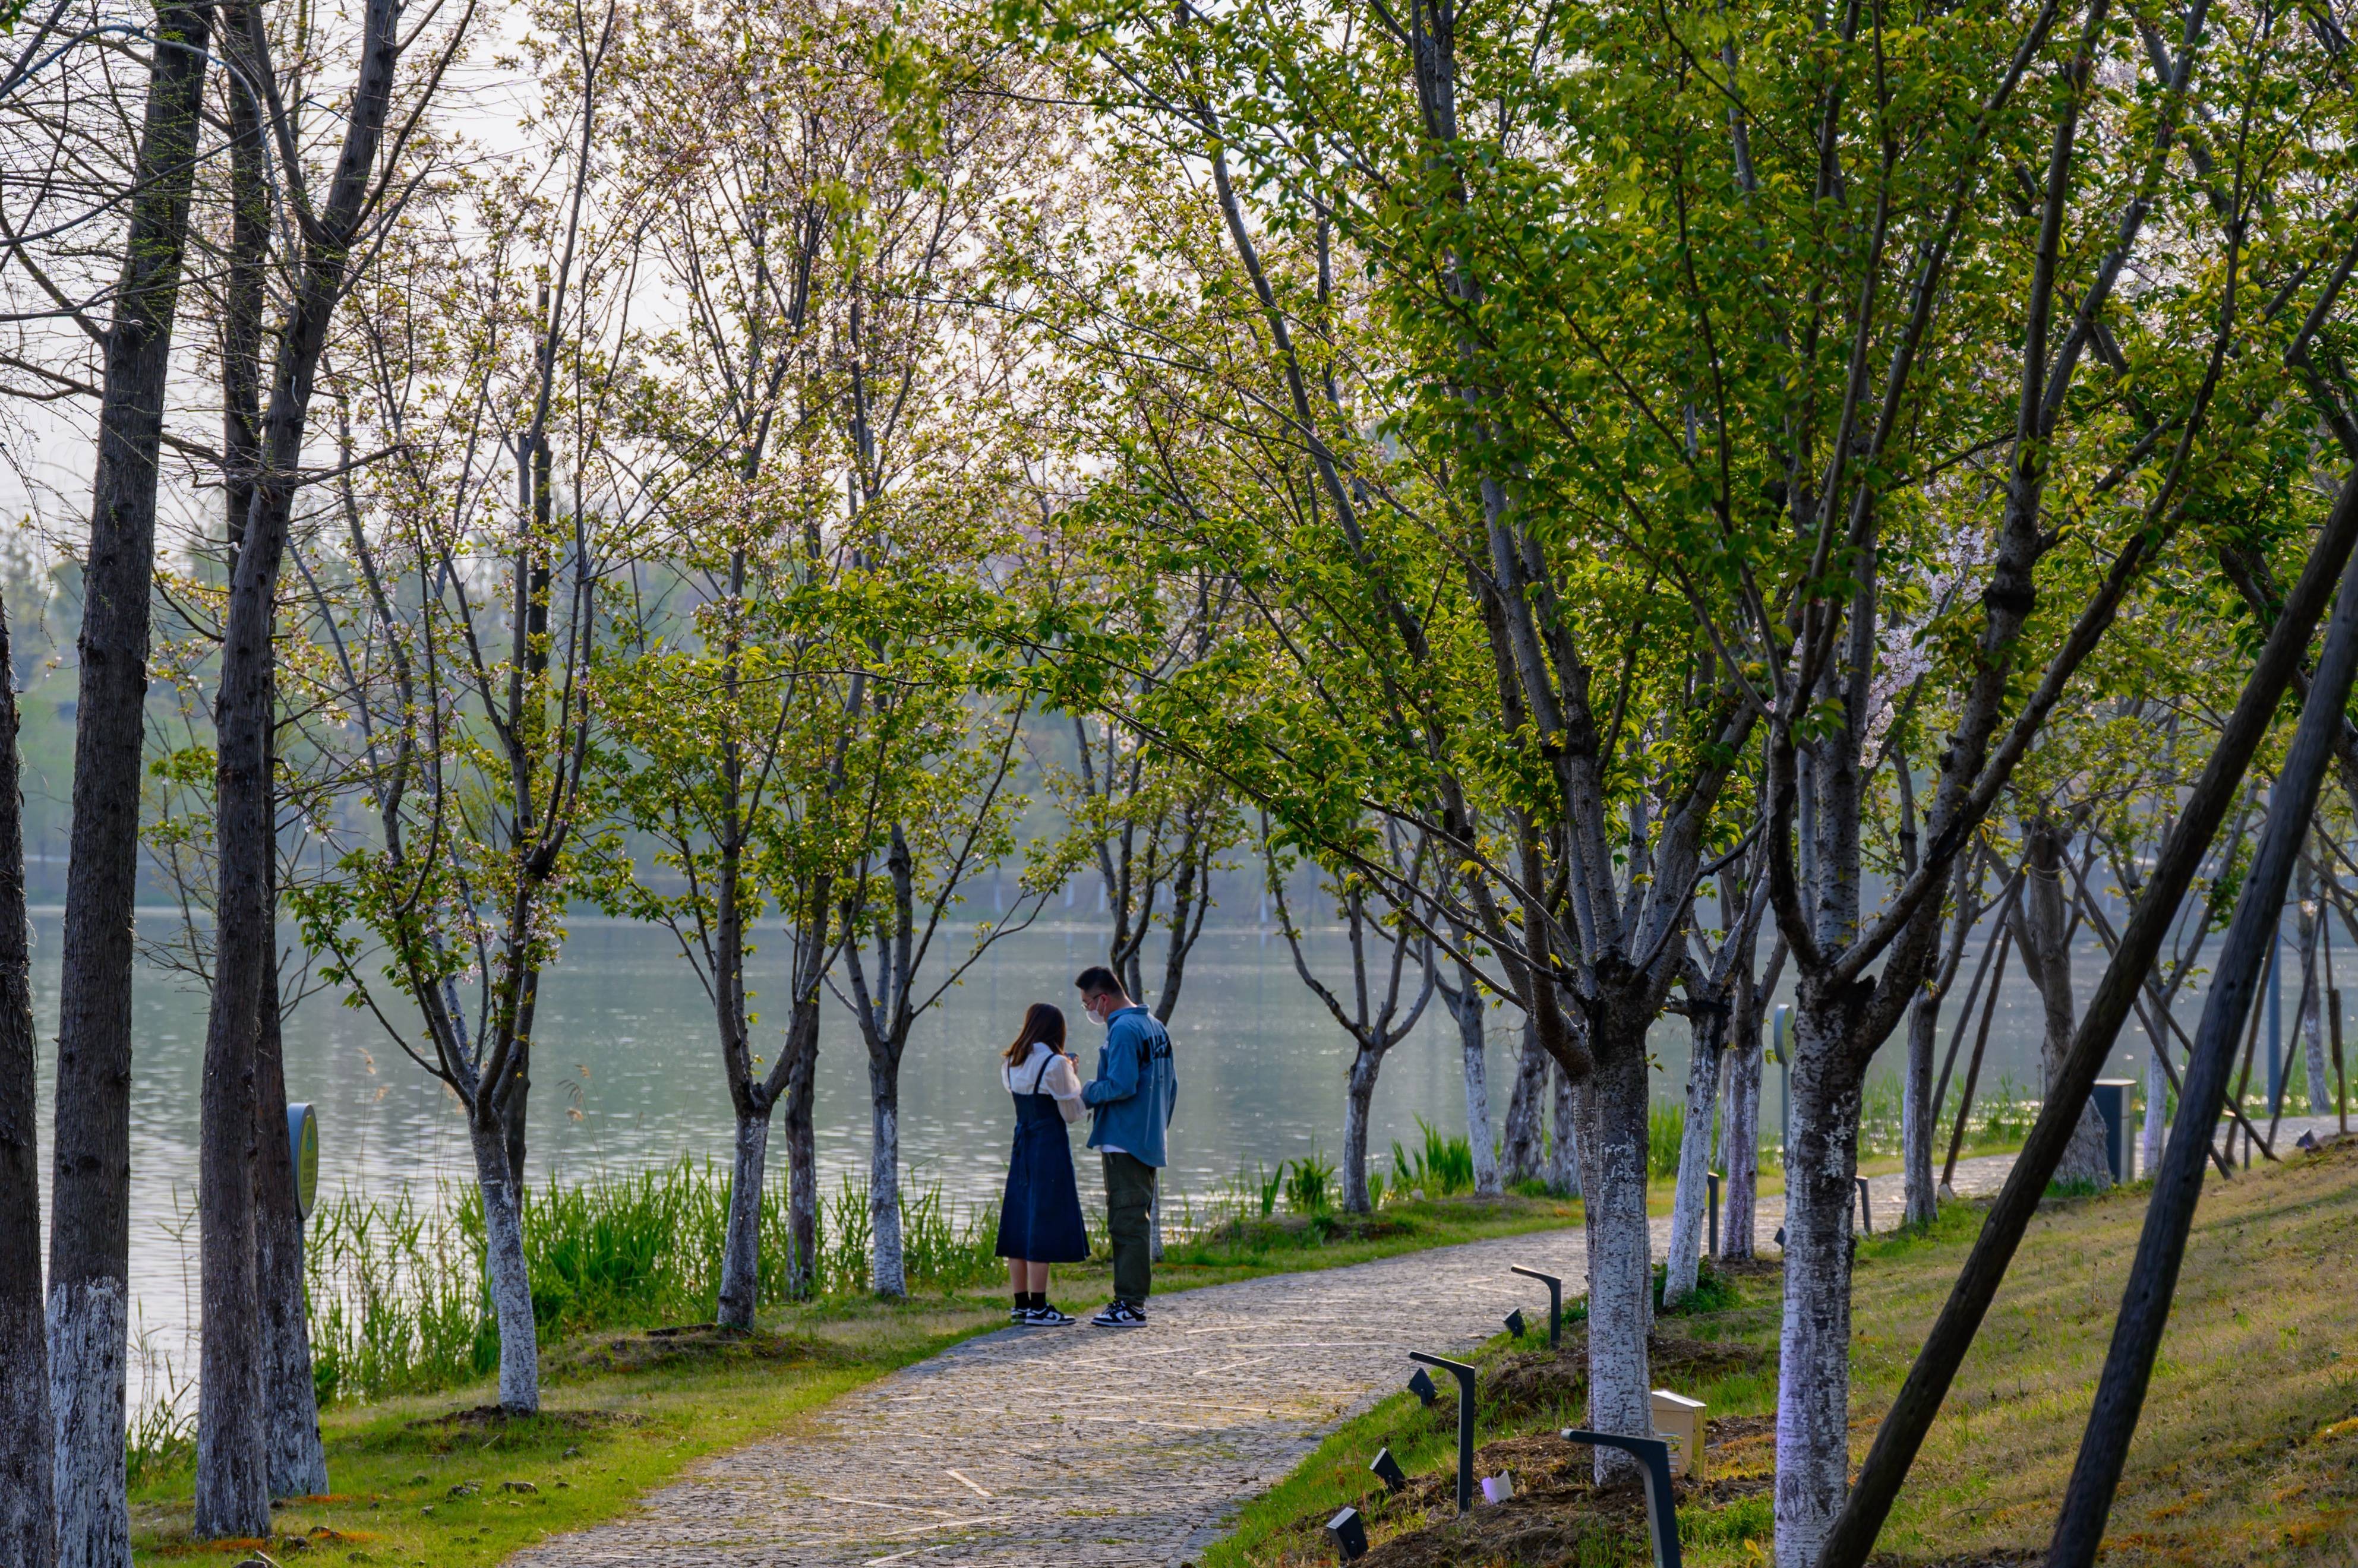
[626,1074]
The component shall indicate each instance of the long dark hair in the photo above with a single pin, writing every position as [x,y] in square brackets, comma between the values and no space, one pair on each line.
[1042,1025]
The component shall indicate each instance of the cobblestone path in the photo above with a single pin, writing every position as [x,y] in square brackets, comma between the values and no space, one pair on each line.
[1082,1445]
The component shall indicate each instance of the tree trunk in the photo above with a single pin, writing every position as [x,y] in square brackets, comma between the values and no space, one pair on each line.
[232,1483]
[1467,1007]
[290,1399]
[1620,1262]
[801,1164]
[2043,933]
[1521,1154]
[28,1526]
[1814,1346]
[504,1267]
[1740,1141]
[1359,1098]
[2157,1101]
[1918,1113]
[740,1250]
[888,1273]
[2312,1011]
[89,1228]
[1708,1033]
[1563,1150]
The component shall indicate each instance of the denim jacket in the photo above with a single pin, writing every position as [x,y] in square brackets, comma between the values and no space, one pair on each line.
[1137,1086]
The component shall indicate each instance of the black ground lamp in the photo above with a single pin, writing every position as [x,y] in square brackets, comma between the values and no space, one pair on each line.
[1653,1456]
[1421,1385]
[1349,1534]
[1387,1470]
[1514,1323]
[1556,1302]
[1464,1375]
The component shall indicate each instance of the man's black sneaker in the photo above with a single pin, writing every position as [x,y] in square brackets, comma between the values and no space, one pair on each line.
[1119,1314]
[1046,1316]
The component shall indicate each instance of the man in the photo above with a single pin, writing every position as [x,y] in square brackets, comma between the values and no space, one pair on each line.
[1129,1105]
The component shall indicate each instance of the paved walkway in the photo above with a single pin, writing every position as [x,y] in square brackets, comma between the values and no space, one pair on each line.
[1082,1445]
[1090,1446]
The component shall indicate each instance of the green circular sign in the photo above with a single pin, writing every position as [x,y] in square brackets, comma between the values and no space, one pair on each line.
[303,1142]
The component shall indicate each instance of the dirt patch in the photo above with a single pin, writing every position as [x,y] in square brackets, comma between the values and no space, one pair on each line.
[690,1345]
[1531,1381]
[1557,1515]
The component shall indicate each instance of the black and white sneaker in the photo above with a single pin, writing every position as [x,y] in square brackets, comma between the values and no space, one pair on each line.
[1019,1312]
[1046,1316]
[1119,1314]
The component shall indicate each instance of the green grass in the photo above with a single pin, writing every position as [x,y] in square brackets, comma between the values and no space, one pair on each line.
[2247,1454]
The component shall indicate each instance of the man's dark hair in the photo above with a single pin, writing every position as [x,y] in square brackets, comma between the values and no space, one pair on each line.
[1098,981]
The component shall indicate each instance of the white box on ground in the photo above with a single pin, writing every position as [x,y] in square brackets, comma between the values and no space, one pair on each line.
[1677,1421]
[1497,1488]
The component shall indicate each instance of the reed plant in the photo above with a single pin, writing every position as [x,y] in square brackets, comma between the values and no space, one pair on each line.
[398,1303]
[1443,1165]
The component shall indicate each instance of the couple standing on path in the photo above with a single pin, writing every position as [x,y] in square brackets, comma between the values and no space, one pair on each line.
[1130,1103]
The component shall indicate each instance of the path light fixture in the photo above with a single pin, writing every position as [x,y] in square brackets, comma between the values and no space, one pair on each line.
[1514,1323]
[1866,1209]
[1711,1185]
[1421,1384]
[1653,1456]
[1387,1470]
[1349,1534]
[1555,1301]
[1464,1375]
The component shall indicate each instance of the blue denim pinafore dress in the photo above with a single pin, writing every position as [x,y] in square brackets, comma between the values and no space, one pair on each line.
[1040,1218]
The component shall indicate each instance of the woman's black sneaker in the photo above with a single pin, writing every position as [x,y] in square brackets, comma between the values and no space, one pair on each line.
[1119,1314]
[1046,1316]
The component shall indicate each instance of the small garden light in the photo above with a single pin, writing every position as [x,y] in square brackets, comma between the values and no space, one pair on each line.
[1421,1385]
[1514,1323]
[1464,1376]
[1349,1535]
[1387,1470]
[1556,1302]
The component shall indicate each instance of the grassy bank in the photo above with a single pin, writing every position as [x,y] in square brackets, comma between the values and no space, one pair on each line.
[2247,1454]
[436,1479]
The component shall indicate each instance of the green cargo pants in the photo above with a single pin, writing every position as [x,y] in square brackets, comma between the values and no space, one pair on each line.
[1129,1191]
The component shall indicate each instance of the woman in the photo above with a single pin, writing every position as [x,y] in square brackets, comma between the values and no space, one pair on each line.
[1040,1218]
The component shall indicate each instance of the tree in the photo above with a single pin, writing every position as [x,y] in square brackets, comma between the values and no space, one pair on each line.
[468,757]
[232,1492]
[27,1525]
[89,1196]
[1378,1016]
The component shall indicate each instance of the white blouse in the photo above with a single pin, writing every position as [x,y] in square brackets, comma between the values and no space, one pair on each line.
[1058,1078]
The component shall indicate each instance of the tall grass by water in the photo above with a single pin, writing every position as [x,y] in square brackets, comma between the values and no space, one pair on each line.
[398,1304]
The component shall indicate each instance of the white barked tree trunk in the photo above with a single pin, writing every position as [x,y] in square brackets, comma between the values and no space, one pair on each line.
[1813,1343]
[90,1332]
[1689,1200]
[504,1267]
[1620,1262]
[1740,1141]
[741,1246]
[887,1269]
